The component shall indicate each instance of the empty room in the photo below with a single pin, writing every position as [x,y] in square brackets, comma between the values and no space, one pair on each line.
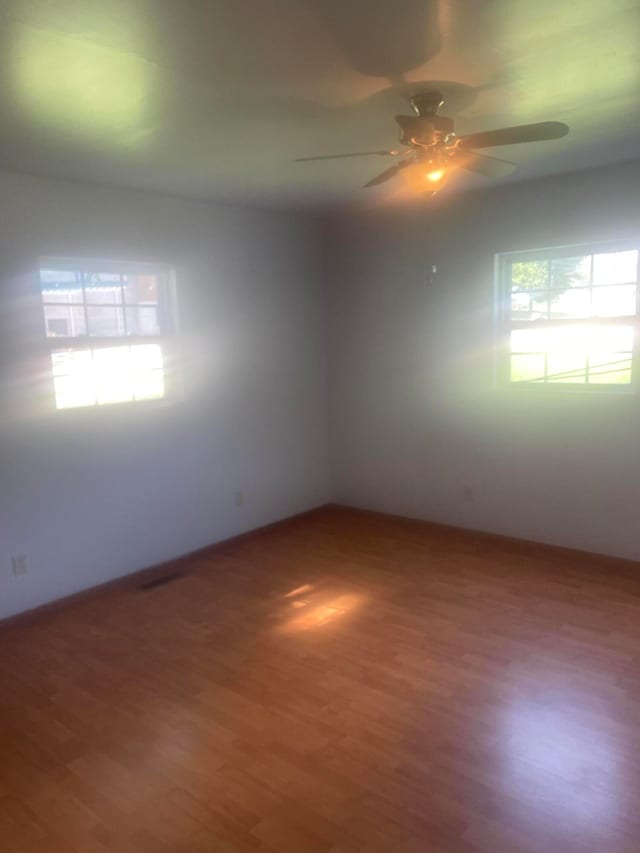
[319,446]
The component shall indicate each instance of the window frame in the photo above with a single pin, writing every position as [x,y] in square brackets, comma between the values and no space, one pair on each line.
[504,324]
[167,326]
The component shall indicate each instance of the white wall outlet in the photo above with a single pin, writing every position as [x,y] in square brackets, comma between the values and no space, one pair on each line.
[19,564]
[239,499]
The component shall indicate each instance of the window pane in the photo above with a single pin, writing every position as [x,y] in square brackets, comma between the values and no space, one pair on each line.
[141,289]
[148,384]
[148,377]
[55,277]
[100,279]
[567,367]
[570,272]
[113,375]
[142,321]
[72,392]
[73,378]
[146,356]
[106,294]
[64,321]
[107,375]
[61,286]
[615,267]
[529,340]
[604,339]
[571,303]
[610,369]
[570,350]
[527,368]
[529,275]
[72,363]
[530,306]
[105,322]
[62,297]
[614,300]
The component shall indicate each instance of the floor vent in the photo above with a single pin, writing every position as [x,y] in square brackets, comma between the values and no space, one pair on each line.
[152,584]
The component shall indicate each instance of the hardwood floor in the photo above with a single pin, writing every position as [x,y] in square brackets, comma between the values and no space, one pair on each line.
[346,683]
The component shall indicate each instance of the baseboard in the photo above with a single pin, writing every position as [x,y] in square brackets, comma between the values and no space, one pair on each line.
[181,564]
[147,575]
[524,546]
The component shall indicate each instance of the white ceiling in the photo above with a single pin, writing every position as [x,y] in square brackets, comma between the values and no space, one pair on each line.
[214,98]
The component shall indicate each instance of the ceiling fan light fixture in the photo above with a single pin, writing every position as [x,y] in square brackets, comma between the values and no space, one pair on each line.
[425,177]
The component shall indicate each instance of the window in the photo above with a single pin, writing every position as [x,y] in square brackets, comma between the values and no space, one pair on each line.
[108,331]
[569,318]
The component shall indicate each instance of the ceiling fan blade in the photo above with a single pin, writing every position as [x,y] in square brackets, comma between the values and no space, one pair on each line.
[384,176]
[513,135]
[386,153]
[490,167]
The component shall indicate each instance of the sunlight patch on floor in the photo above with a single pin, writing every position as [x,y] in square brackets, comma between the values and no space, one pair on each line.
[316,615]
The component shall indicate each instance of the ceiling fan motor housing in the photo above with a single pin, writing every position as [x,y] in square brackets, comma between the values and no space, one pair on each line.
[426,103]
[423,130]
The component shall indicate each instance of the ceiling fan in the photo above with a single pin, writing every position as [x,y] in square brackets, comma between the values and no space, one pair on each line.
[433,150]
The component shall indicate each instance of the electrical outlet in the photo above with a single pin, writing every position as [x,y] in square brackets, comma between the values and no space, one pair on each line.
[19,564]
[239,499]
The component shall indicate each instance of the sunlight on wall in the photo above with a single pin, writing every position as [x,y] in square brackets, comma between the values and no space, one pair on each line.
[77,85]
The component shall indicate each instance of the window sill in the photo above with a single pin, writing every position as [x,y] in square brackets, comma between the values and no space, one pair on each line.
[571,390]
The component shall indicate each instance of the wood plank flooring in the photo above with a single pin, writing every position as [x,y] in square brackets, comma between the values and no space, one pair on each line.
[345,683]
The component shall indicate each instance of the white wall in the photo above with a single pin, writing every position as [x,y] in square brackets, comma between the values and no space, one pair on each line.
[414,415]
[90,495]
